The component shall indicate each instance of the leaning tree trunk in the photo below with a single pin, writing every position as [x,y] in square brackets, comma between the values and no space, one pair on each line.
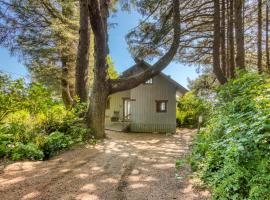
[267,40]
[82,64]
[259,42]
[239,33]
[216,44]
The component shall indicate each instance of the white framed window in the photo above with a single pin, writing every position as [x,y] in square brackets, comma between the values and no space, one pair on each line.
[161,105]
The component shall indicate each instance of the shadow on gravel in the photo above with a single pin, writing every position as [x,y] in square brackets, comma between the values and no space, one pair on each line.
[124,166]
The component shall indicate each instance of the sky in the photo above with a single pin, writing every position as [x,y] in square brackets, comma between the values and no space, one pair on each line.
[124,21]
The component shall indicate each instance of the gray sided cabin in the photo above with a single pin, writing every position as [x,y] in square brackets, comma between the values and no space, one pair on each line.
[150,107]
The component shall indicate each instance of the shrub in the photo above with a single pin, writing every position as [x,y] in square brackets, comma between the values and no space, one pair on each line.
[189,108]
[232,155]
[19,151]
[34,125]
[54,142]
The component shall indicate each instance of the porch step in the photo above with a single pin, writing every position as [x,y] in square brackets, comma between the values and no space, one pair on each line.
[118,126]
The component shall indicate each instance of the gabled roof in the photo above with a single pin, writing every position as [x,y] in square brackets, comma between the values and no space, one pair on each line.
[137,69]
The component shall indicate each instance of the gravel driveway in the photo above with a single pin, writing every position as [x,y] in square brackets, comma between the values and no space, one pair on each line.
[123,166]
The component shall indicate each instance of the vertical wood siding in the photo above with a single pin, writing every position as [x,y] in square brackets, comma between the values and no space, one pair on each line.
[116,104]
[144,117]
[143,110]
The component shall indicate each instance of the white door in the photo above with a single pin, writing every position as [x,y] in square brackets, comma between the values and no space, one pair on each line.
[127,110]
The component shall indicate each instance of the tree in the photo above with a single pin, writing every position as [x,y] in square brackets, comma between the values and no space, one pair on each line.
[239,33]
[231,39]
[267,39]
[103,86]
[44,34]
[223,38]
[216,46]
[259,42]
[82,65]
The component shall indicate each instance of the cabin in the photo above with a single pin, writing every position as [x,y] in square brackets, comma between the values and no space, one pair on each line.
[150,107]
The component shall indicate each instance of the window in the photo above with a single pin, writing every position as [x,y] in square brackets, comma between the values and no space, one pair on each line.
[108,103]
[150,81]
[161,105]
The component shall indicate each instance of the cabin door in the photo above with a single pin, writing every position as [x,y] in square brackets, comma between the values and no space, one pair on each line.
[126,109]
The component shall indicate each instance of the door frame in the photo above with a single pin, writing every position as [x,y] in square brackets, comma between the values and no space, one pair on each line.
[125,117]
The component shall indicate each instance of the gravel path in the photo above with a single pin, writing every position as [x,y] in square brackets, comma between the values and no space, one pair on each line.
[124,166]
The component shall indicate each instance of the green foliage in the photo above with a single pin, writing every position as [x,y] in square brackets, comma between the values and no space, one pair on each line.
[179,163]
[189,108]
[55,142]
[232,155]
[111,69]
[30,151]
[34,124]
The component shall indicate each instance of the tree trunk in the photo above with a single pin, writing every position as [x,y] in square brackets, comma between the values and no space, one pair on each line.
[231,39]
[96,111]
[259,42]
[267,39]
[239,33]
[216,44]
[67,84]
[82,65]
[223,38]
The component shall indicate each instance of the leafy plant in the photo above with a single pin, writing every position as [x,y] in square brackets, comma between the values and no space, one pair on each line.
[232,155]
[34,125]
[55,142]
[189,108]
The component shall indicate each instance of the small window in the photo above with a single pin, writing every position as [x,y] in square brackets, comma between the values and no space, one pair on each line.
[108,103]
[161,106]
[150,81]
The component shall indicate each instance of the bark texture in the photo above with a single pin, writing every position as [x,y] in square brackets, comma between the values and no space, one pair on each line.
[96,112]
[259,42]
[216,44]
[223,38]
[82,64]
[267,40]
[239,33]
[231,39]
[67,82]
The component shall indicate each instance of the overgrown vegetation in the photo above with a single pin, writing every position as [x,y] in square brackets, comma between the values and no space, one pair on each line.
[189,108]
[33,124]
[233,154]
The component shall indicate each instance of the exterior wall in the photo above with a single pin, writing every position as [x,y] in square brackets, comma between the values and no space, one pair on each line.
[143,110]
[116,104]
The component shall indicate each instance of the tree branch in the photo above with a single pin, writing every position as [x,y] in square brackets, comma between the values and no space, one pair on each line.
[125,83]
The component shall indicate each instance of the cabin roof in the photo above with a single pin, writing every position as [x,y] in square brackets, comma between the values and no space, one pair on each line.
[137,69]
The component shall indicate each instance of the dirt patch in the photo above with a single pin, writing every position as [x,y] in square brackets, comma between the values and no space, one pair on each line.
[124,166]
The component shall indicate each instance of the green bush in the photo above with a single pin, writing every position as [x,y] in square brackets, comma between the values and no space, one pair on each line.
[20,151]
[34,125]
[189,108]
[54,142]
[232,155]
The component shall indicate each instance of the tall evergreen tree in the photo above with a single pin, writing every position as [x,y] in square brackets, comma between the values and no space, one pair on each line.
[44,34]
